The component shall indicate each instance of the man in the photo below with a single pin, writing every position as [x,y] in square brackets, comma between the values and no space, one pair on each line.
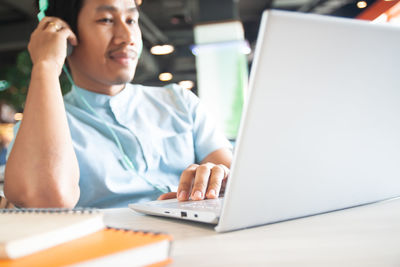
[65,156]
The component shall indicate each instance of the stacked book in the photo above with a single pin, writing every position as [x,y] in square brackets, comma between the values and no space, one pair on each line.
[78,237]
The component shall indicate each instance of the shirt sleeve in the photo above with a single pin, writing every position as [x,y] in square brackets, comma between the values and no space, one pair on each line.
[207,136]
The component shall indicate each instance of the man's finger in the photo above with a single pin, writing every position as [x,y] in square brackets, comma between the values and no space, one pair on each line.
[43,23]
[48,22]
[215,182]
[166,196]
[185,182]
[201,181]
[70,36]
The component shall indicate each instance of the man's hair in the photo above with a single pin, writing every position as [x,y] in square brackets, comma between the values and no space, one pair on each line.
[66,10]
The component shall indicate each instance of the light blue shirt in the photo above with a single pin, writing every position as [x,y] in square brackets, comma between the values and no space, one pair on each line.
[161,129]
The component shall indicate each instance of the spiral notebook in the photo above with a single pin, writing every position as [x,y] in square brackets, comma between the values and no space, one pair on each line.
[26,231]
[109,247]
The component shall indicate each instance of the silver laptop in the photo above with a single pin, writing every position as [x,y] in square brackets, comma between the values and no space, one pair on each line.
[321,129]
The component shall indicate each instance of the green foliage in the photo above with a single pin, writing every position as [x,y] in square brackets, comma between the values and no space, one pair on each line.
[18,76]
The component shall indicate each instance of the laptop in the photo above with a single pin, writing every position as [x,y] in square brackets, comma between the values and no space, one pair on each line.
[321,126]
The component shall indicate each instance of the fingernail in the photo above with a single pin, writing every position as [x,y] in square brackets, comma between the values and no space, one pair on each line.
[182,195]
[197,195]
[212,193]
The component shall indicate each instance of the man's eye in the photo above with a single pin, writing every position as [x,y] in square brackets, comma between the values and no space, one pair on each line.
[105,20]
[131,21]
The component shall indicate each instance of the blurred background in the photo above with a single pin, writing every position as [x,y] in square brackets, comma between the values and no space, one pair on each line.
[204,45]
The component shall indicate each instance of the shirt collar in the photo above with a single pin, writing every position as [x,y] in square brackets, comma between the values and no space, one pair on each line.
[92,98]
[118,102]
[101,100]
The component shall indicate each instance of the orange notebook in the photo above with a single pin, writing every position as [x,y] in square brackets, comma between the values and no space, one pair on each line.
[108,247]
[27,231]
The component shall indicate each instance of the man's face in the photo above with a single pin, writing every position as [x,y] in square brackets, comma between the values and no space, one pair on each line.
[109,41]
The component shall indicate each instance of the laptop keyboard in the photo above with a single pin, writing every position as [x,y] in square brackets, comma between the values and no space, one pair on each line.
[205,205]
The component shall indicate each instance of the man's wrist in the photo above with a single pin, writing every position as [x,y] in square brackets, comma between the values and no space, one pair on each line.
[47,68]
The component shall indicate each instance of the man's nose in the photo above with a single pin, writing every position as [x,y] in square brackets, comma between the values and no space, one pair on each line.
[124,33]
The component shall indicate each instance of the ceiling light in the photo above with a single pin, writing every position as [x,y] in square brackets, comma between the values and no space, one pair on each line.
[162,49]
[165,76]
[362,4]
[186,84]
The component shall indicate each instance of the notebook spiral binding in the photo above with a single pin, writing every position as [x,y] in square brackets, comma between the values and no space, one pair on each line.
[51,210]
[74,211]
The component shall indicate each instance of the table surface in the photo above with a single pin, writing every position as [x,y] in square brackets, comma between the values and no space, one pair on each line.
[362,236]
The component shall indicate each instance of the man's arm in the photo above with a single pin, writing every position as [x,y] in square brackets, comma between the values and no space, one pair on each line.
[42,169]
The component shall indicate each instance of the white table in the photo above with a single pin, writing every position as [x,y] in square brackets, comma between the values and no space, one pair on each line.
[362,236]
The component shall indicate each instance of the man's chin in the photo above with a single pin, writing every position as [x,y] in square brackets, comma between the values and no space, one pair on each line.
[123,79]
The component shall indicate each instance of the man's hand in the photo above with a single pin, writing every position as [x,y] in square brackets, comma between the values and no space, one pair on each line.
[200,181]
[207,180]
[48,42]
